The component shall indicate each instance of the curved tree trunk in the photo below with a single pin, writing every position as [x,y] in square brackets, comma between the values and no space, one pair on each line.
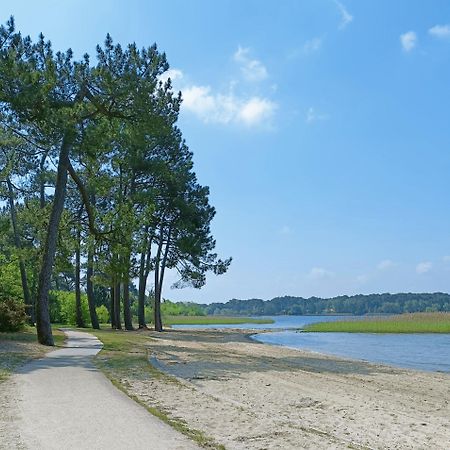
[44,329]
[90,289]
[78,310]
[23,272]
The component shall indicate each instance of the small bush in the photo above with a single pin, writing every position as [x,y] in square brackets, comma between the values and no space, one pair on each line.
[102,314]
[12,314]
[62,307]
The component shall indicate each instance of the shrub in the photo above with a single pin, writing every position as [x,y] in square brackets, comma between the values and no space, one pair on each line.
[102,314]
[12,314]
[62,307]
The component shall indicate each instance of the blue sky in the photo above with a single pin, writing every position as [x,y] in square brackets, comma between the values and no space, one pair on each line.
[321,127]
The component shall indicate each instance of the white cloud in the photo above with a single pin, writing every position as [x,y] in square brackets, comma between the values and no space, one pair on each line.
[227,108]
[346,17]
[256,110]
[319,273]
[385,264]
[446,258]
[313,116]
[408,40]
[424,267]
[440,31]
[252,69]
[312,45]
[173,74]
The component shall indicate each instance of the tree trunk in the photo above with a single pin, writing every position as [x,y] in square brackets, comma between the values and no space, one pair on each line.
[118,322]
[126,305]
[144,270]
[78,310]
[23,273]
[44,329]
[141,293]
[112,311]
[90,288]
[157,307]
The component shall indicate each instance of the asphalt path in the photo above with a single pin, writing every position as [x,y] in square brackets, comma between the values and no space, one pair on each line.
[64,402]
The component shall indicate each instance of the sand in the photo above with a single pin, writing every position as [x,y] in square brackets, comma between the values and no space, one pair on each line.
[248,395]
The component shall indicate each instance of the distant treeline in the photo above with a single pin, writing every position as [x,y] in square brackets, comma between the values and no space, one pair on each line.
[355,304]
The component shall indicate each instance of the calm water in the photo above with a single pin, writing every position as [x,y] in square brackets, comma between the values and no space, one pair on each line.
[415,351]
[279,322]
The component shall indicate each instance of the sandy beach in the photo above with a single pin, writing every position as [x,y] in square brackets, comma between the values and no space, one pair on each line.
[248,395]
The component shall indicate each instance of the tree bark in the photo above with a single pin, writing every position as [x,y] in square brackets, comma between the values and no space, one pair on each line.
[23,272]
[126,305]
[144,270]
[78,310]
[160,267]
[118,322]
[90,288]
[44,330]
[112,311]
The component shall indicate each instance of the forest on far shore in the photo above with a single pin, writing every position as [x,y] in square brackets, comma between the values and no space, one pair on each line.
[356,304]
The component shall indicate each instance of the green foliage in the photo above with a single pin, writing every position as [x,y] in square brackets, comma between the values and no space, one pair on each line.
[12,314]
[102,314]
[62,307]
[403,323]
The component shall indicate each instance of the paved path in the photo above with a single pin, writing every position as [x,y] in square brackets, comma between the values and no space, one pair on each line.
[64,402]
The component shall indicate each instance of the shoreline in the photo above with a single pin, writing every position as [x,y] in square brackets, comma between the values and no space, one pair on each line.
[248,395]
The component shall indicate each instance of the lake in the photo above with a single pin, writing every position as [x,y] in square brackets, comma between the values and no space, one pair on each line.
[430,352]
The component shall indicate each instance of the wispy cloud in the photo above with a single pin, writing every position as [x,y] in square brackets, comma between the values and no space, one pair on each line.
[346,17]
[313,116]
[252,69]
[408,40]
[312,45]
[362,279]
[319,273]
[386,264]
[424,267]
[230,106]
[446,259]
[440,31]
[285,229]
[227,108]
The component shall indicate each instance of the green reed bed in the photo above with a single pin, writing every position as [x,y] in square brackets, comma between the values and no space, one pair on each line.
[401,323]
[211,320]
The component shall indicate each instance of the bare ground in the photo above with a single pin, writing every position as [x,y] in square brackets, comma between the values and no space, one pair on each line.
[248,395]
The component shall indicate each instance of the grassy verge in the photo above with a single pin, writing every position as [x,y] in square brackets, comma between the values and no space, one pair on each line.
[401,323]
[19,347]
[124,359]
[211,320]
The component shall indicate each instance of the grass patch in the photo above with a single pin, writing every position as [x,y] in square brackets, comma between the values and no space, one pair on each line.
[21,346]
[212,320]
[401,323]
[124,358]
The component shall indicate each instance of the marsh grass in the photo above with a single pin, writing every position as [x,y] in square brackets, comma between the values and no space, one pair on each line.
[438,322]
[212,320]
